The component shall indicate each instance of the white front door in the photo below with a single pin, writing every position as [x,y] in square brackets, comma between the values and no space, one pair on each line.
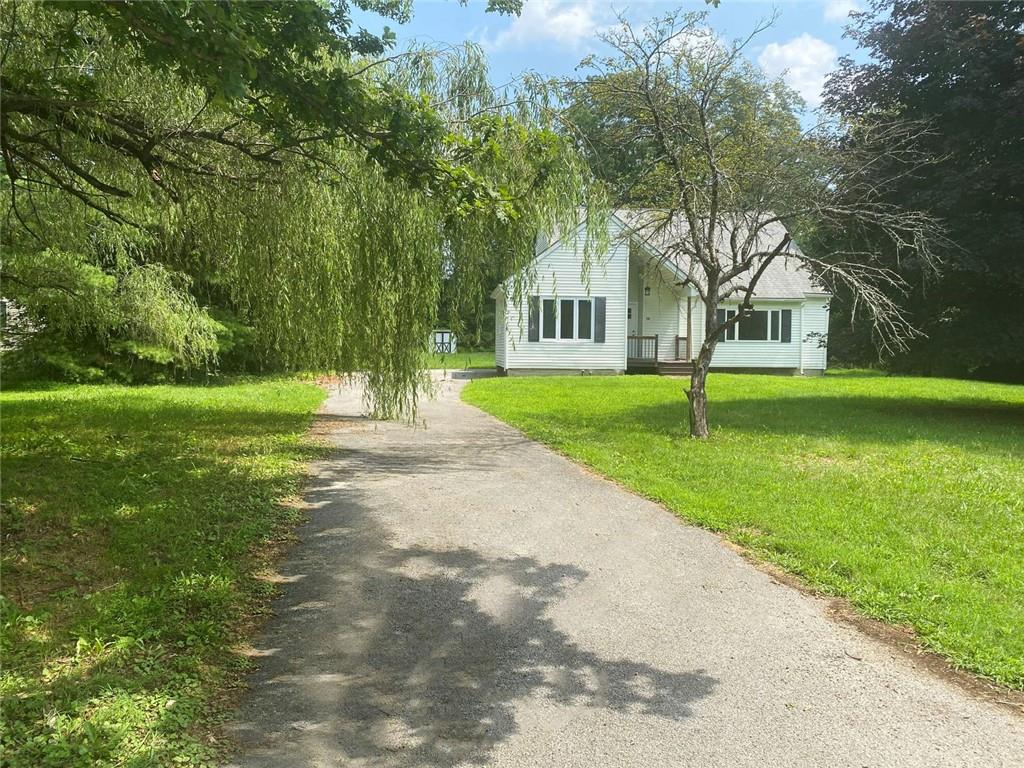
[632,319]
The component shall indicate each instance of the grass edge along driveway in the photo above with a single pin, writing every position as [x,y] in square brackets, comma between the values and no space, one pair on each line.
[901,494]
[136,521]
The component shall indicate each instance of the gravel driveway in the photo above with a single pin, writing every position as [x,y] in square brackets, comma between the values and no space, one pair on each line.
[464,596]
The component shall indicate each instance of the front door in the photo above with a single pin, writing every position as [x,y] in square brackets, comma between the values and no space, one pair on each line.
[632,319]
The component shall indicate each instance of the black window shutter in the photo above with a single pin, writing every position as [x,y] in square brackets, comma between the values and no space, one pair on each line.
[533,324]
[599,319]
[787,325]
[721,317]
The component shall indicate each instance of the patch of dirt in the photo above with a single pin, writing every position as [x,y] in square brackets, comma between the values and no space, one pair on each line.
[816,462]
[329,380]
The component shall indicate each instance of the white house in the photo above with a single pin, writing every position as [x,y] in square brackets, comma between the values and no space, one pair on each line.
[635,310]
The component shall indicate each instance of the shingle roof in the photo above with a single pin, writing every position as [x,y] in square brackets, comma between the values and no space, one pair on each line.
[783,278]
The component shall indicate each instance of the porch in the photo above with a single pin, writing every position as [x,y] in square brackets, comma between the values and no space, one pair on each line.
[644,354]
[657,318]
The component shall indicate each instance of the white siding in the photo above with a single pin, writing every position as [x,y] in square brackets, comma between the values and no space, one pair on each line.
[635,280]
[815,328]
[752,354]
[499,333]
[697,326]
[688,304]
[558,274]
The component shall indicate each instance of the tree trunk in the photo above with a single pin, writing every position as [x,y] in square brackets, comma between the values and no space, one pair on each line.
[697,395]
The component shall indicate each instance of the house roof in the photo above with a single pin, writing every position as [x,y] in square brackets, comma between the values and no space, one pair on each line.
[785,277]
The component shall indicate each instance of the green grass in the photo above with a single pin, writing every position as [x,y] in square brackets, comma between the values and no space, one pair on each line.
[135,522]
[459,360]
[905,495]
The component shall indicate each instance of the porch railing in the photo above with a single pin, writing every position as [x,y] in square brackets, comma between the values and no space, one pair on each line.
[682,348]
[642,347]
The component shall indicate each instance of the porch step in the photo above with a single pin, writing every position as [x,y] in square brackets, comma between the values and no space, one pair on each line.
[675,368]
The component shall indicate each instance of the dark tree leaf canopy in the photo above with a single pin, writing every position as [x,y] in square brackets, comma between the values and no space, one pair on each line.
[958,69]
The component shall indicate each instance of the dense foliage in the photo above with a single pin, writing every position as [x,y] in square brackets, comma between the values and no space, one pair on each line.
[957,69]
[318,196]
[276,71]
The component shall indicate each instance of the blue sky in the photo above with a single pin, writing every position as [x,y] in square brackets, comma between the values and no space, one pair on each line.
[551,36]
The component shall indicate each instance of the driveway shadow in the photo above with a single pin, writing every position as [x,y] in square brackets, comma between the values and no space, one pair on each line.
[416,656]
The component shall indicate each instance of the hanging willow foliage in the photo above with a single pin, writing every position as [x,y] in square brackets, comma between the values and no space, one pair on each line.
[342,270]
[335,260]
[347,274]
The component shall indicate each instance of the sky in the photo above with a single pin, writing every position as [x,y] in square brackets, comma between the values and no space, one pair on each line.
[550,37]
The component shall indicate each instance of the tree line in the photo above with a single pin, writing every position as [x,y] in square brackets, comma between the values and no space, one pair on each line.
[956,70]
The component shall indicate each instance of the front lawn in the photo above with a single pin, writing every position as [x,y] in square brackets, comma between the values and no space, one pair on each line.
[905,495]
[135,521]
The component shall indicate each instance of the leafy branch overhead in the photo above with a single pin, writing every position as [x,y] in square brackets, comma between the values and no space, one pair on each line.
[264,81]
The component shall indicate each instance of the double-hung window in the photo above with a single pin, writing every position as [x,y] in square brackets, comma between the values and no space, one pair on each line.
[568,319]
[550,330]
[723,316]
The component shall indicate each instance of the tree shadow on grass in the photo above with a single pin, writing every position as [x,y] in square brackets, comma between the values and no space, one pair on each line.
[983,425]
[417,656]
[130,522]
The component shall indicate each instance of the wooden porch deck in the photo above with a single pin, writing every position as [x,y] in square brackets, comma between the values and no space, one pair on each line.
[642,356]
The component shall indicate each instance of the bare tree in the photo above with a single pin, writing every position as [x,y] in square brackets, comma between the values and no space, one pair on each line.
[730,172]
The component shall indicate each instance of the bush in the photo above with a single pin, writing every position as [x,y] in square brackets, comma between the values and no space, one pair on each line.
[48,355]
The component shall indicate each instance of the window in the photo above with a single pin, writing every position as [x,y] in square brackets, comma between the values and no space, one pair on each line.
[570,319]
[567,316]
[723,316]
[754,327]
[585,319]
[759,325]
[549,319]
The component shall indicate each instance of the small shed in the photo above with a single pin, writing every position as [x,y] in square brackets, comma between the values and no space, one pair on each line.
[442,341]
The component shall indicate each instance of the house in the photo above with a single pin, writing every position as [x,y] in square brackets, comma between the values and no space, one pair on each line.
[637,310]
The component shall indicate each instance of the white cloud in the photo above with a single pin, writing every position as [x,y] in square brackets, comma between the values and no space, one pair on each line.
[698,40]
[566,23]
[840,10]
[803,63]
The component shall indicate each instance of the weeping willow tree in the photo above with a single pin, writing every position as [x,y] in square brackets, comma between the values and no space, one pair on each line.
[334,257]
[345,272]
